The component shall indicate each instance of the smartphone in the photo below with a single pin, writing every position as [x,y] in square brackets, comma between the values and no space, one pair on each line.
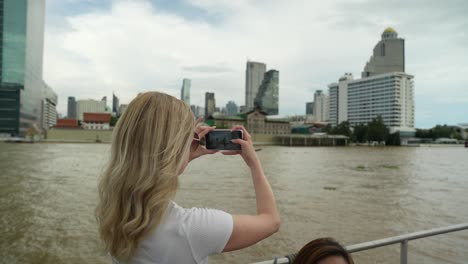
[220,139]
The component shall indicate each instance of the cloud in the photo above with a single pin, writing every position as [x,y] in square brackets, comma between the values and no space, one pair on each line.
[207,69]
[133,46]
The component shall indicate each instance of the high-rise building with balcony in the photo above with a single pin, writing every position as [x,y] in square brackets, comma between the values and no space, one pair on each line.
[48,108]
[254,74]
[321,108]
[268,93]
[333,101]
[338,100]
[21,53]
[389,95]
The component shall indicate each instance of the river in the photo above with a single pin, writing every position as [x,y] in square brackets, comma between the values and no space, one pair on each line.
[354,194]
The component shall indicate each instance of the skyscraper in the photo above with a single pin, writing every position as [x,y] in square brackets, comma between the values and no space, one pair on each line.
[333,104]
[309,108]
[185,91]
[231,108]
[210,104]
[21,52]
[71,110]
[267,95]
[388,55]
[115,104]
[338,100]
[254,74]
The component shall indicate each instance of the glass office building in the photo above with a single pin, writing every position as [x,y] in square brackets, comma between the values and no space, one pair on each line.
[21,51]
[185,91]
[267,96]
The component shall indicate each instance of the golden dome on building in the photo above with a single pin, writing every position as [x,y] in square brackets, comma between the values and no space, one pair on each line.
[390,30]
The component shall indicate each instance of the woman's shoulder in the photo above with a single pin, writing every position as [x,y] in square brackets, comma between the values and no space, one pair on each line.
[207,230]
[196,214]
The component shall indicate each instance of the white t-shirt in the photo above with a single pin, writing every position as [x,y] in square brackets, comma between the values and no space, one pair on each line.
[185,236]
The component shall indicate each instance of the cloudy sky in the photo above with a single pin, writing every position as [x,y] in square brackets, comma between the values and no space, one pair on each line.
[95,47]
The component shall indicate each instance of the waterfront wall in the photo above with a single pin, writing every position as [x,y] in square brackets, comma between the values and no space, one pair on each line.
[104,136]
[310,140]
[262,138]
[78,135]
[87,136]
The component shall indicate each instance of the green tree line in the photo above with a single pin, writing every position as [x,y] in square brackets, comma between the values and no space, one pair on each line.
[375,130]
[440,131]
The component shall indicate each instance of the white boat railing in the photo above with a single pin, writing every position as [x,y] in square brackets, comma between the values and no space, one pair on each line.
[401,239]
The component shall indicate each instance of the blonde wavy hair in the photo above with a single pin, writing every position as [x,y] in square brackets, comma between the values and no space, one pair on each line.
[149,144]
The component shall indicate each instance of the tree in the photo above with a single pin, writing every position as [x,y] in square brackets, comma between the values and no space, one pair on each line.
[360,133]
[393,139]
[423,133]
[377,130]
[343,128]
[113,121]
[328,129]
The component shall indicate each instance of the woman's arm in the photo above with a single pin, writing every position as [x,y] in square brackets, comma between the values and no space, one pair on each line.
[250,229]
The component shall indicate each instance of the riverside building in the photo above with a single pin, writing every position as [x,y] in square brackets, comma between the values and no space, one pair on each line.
[338,100]
[49,108]
[384,90]
[389,95]
[321,108]
[89,106]
[21,54]
[96,121]
[256,122]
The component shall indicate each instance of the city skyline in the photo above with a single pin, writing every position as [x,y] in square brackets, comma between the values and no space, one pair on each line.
[78,58]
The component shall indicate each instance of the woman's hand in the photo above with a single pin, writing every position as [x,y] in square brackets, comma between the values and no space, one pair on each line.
[248,151]
[201,131]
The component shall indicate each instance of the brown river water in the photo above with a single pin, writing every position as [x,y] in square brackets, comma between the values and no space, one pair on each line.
[354,194]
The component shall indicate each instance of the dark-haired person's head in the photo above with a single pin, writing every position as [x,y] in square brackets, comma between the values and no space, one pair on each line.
[323,251]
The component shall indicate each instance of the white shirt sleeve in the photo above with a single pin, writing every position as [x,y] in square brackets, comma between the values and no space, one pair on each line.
[208,231]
